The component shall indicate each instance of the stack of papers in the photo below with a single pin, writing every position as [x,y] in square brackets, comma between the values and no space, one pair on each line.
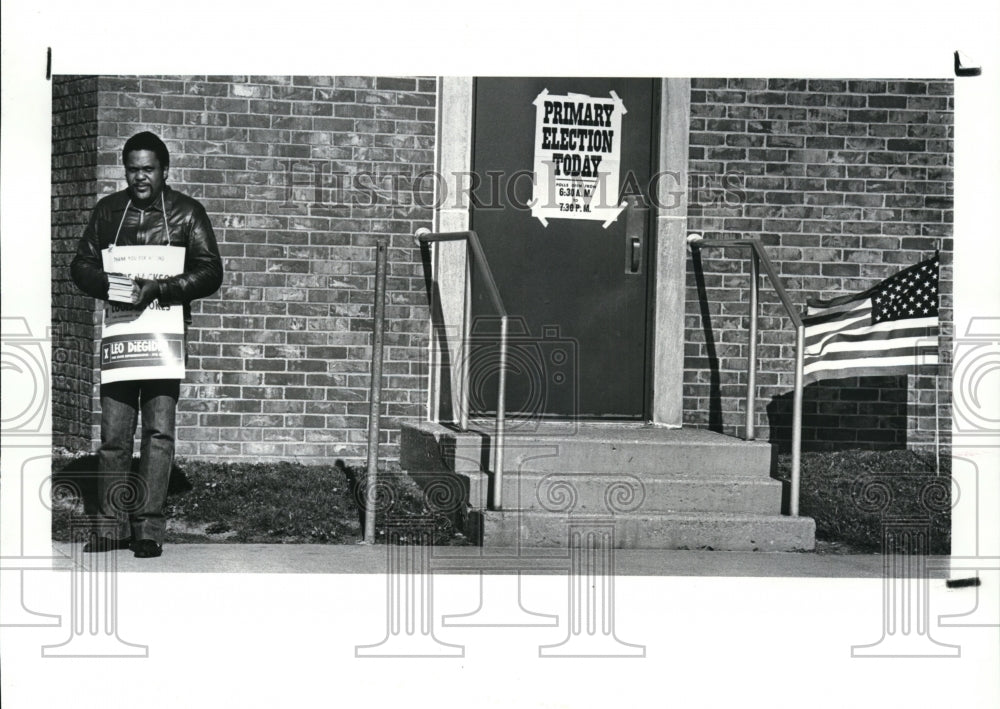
[119,288]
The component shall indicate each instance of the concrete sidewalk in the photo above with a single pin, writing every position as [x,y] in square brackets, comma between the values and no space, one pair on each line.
[364,559]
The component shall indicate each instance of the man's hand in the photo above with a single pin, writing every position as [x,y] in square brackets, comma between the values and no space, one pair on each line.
[144,292]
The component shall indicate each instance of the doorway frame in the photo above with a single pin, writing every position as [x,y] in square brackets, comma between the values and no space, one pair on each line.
[452,212]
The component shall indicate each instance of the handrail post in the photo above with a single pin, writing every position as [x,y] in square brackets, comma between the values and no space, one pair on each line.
[498,443]
[759,259]
[752,349]
[433,353]
[797,420]
[466,347]
[474,256]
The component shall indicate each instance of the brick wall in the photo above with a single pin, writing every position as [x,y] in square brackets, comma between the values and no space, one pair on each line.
[845,182]
[300,176]
[74,315]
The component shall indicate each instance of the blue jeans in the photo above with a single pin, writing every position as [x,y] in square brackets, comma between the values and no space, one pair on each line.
[134,502]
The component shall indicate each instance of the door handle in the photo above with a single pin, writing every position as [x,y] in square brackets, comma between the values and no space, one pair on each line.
[635,233]
[635,254]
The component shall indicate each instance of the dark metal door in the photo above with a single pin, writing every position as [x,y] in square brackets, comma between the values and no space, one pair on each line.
[576,289]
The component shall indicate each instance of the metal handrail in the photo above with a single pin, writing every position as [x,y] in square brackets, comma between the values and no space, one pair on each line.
[475,249]
[758,258]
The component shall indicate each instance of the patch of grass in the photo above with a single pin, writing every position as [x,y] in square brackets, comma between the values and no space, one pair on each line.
[856,495]
[852,495]
[284,503]
[273,502]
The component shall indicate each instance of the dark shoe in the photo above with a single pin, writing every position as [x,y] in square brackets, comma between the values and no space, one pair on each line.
[102,544]
[146,549]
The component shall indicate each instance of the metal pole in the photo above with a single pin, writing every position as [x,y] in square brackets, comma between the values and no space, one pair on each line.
[498,442]
[463,394]
[937,427]
[800,338]
[433,344]
[375,397]
[752,353]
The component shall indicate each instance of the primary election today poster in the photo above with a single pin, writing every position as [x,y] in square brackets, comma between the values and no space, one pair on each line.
[577,157]
[146,344]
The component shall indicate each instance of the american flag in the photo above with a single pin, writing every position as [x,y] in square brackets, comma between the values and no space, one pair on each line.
[891,328]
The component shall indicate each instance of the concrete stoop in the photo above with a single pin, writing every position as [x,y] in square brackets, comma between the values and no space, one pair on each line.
[649,487]
[703,530]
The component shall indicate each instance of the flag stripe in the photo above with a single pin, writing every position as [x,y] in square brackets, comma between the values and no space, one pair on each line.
[871,369]
[911,346]
[905,362]
[871,332]
[845,322]
[820,313]
[874,346]
[816,317]
[882,331]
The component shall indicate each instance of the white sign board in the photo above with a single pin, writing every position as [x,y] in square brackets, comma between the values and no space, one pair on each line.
[143,344]
[577,157]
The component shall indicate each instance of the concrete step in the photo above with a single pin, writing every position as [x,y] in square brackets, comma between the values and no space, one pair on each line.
[658,488]
[587,447]
[718,531]
[606,493]
[696,456]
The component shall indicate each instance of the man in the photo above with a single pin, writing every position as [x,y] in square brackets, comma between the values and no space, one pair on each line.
[147,213]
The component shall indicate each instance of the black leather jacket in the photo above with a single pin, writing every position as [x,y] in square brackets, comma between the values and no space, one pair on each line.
[188,226]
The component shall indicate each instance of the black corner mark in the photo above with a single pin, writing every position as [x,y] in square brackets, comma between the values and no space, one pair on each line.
[48,63]
[965,70]
[963,583]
